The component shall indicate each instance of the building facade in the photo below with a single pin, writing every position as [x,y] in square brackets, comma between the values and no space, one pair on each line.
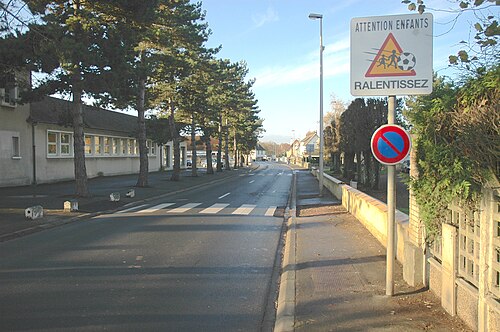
[36,143]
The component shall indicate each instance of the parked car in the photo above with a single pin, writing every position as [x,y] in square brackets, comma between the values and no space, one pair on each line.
[189,164]
[405,166]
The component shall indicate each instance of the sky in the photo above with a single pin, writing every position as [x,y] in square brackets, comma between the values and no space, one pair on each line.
[280,45]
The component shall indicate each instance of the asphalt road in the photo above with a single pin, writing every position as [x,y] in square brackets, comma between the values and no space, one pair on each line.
[199,261]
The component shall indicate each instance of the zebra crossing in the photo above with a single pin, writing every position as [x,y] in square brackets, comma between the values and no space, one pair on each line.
[223,208]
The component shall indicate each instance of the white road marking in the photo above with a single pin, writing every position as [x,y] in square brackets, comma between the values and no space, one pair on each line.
[184,208]
[132,208]
[245,209]
[155,208]
[252,181]
[270,211]
[221,197]
[214,208]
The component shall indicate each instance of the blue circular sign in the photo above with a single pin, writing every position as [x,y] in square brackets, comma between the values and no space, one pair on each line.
[390,144]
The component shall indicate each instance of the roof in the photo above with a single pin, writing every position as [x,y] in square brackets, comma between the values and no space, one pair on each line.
[309,136]
[259,147]
[57,111]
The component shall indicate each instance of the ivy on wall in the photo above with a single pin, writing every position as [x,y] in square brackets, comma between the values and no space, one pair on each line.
[457,144]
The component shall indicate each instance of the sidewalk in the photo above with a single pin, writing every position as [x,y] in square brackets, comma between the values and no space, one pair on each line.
[340,275]
[14,200]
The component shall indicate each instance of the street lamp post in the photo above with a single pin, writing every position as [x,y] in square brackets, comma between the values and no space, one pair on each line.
[321,136]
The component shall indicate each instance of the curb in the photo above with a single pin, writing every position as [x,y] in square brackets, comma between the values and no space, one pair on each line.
[285,311]
[81,217]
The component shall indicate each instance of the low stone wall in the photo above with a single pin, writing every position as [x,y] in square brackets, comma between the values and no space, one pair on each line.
[478,307]
[371,212]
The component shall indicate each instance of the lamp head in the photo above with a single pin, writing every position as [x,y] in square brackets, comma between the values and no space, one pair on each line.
[313,16]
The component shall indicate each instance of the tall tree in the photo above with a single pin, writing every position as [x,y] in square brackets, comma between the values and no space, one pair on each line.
[159,49]
[72,43]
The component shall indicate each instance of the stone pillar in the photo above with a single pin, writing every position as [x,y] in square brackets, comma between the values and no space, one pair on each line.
[486,238]
[449,269]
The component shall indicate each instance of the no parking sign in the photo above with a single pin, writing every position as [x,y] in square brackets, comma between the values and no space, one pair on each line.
[390,144]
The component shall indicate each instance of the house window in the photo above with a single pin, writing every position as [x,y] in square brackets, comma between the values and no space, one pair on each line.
[51,143]
[152,148]
[65,144]
[88,145]
[97,145]
[183,155]
[124,146]
[107,145]
[131,147]
[116,148]
[167,156]
[59,144]
[16,149]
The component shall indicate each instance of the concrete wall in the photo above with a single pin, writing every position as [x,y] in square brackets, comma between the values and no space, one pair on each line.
[435,276]
[15,170]
[467,303]
[371,212]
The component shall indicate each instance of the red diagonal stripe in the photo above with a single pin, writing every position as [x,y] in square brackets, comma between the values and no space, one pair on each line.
[390,144]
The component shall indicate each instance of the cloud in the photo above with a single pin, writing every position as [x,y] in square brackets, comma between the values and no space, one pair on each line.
[335,61]
[269,16]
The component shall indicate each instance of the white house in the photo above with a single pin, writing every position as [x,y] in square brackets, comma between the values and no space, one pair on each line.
[309,146]
[259,153]
[36,143]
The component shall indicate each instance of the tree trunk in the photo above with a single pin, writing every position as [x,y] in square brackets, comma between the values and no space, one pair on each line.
[176,145]
[79,144]
[376,175]
[226,148]
[142,181]
[208,149]
[368,167]
[358,166]
[336,162]
[349,166]
[193,148]
[235,150]
[219,148]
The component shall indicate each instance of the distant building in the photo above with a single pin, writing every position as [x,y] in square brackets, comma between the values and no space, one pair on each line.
[259,153]
[309,146]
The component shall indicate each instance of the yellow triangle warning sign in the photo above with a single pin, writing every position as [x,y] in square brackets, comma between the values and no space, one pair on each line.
[392,61]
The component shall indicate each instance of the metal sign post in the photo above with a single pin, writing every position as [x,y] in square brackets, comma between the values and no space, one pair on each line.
[391,55]
[391,211]
[390,145]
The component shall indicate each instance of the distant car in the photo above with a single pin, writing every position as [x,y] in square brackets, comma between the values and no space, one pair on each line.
[405,166]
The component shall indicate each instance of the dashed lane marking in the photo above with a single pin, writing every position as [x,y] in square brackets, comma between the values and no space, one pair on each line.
[221,197]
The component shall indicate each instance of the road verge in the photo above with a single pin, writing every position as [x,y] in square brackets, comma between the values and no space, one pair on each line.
[285,312]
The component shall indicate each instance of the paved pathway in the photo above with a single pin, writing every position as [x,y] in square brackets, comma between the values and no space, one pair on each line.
[340,276]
